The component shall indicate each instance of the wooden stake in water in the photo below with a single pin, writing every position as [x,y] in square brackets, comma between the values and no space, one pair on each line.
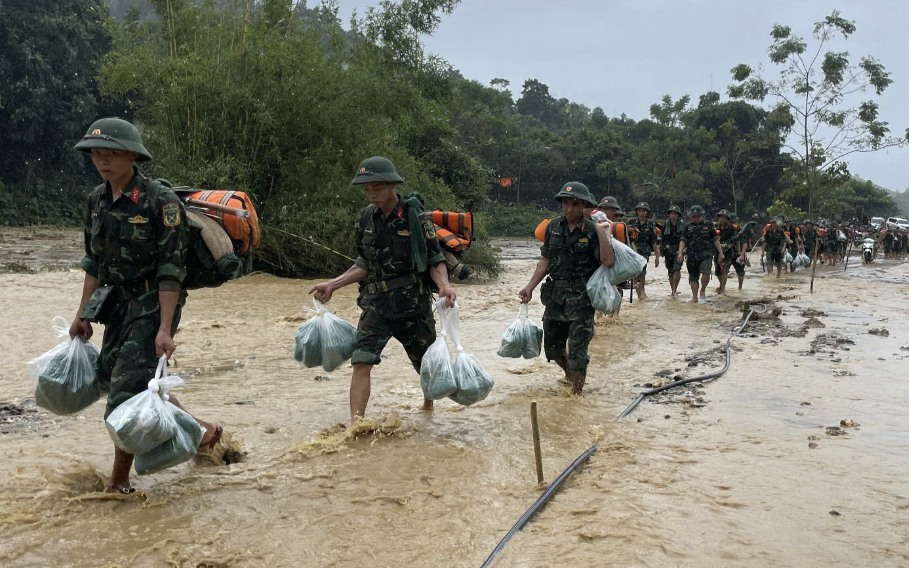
[535,429]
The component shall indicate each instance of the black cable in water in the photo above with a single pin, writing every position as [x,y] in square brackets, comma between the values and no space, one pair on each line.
[708,376]
[541,500]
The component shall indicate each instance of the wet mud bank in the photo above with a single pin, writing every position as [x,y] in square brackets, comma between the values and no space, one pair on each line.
[746,470]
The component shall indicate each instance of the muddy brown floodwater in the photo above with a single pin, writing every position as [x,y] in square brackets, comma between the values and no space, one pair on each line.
[753,469]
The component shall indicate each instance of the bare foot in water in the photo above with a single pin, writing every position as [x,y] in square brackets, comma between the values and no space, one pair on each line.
[703,295]
[693,300]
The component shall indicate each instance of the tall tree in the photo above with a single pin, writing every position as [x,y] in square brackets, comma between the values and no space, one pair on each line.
[820,90]
[51,52]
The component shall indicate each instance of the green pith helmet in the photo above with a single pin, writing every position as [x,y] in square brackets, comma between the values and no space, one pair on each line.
[733,217]
[674,209]
[723,213]
[375,169]
[609,202]
[695,210]
[642,205]
[114,134]
[577,190]
[619,212]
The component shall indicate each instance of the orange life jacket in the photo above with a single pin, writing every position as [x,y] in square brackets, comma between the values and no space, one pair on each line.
[245,231]
[540,231]
[619,230]
[458,223]
[623,232]
[452,241]
[822,232]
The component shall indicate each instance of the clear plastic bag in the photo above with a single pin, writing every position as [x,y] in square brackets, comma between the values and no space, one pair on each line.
[801,259]
[628,263]
[64,376]
[473,382]
[144,421]
[787,258]
[603,294]
[324,339]
[523,338]
[436,373]
[180,448]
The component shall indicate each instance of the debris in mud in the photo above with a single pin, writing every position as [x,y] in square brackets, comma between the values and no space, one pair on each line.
[906,348]
[843,373]
[245,403]
[768,341]
[321,378]
[830,340]
[813,323]
[835,431]
[812,445]
[805,403]
[881,331]
[813,438]
[835,513]
[848,423]
[812,313]
[664,373]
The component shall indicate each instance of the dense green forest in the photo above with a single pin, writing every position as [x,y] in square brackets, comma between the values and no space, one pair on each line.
[279,99]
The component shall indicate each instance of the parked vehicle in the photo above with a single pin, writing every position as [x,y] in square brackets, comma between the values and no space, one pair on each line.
[897,224]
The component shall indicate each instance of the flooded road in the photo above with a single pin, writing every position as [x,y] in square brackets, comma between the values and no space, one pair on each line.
[742,471]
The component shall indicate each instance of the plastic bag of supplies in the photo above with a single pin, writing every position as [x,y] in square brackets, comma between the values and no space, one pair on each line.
[324,339]
[64,377]
[801,259]
[604,296]
[523,338]
[787,258]
[145,421]
[180,448]
[628,264]
[436,374]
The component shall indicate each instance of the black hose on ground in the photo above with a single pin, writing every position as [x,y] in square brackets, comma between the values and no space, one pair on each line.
[708,376]
[541,500]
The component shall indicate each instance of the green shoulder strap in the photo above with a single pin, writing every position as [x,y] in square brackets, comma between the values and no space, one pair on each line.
[413,204]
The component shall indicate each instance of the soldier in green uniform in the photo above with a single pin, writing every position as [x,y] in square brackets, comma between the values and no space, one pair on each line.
[699,239]
[669,246]
[732,252]
[832,247]
[774,246]
[134,263]
[573,248]
[809,238]
[398,259]
[646,241]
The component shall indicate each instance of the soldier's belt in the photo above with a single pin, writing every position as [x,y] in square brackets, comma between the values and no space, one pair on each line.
[569,282]
[392,283]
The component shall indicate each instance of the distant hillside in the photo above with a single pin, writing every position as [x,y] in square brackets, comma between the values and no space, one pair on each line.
[902,200]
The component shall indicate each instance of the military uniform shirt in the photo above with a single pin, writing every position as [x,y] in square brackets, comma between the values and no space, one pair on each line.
[672,235]
[699,239]
[573,257]
[774,239]
[646,238]
[383,249]
[725,235]
[137,242]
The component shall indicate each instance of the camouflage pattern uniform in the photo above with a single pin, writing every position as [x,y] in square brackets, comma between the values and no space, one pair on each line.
[644,241]
[774,237]
[699,239]
[672,236]
[809,235]
[832,244]
[136,243]
[726,236]
[395,299]
[573,258]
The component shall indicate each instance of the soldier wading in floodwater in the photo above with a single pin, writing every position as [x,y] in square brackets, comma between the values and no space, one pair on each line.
[646,241]
[135,247]
[669,246]
[573,248]
[398,254]
[700,240]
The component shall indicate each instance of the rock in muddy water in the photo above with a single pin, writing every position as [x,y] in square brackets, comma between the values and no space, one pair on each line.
[847,423]
[881,331]
[812,445]
[835,513]
[835,431]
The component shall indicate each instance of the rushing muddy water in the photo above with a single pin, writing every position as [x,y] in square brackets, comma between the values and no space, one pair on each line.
[742,471]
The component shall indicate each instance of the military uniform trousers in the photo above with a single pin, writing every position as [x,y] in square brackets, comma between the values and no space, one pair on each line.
[568,322]
[416,333]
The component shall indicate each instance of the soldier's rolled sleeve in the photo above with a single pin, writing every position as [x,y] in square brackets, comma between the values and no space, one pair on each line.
[89,262]
[172,241]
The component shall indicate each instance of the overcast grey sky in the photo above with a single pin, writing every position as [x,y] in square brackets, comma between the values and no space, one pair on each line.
[624,55]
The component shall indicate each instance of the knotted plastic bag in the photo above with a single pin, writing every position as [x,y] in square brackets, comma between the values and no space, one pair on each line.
[436,374]
[144,422]
[64,377]
[787,258]
[472,381]
[523,338]
[628,263]
[604,296]
[324,339]
[180,448]
[801,259]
